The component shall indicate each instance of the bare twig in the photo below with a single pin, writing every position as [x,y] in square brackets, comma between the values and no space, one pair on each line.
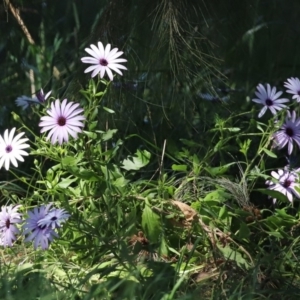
[162,158]
[17,16]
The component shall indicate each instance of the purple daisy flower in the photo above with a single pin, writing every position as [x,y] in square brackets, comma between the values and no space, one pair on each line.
[40,235]
[293,87]
[103,60]
[25,101]
[285,183]
[41,96]
[54,218]
[289,132]
[63,120]
[9,217]
[270,99]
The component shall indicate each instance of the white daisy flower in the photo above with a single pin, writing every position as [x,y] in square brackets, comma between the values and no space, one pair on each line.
[62,120]
[103,60]
[270,99]
[11,148]
[293,86]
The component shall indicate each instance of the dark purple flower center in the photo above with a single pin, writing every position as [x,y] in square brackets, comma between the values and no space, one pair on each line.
[103,62]
[269,102]
[54,218]
[287,183]
[289,131]
[61,121]
[298,93]
[8,148]
[7,223]
[41,227]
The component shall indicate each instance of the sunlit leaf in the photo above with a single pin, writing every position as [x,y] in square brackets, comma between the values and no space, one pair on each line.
[136,162]
[151,224]
[269,153]
[214,171]
[182,168]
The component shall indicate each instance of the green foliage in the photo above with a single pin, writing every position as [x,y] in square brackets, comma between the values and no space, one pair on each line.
[166,190]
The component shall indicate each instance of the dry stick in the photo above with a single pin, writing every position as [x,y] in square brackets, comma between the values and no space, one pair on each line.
[17,16]
[162,158]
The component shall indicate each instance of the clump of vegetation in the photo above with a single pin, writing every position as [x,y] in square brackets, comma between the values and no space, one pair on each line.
[144,171]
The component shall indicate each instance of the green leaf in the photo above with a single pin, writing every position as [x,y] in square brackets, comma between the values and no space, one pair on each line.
[70,161]
[275,234]
[94,114]
[179,168]
[223,213]
[219,170]
[233,129]
[65,182]
[91,135]
[244,232]
[136,162]
[274,194]
[269,153]
[11,187]
[108,110]
[190,143]
[245,146]
[121,182]
[282,213]
[163,248]
[92,125]
[88,175]
[260,128]
[234,255]
[151,224]
[108,134]
[217,195]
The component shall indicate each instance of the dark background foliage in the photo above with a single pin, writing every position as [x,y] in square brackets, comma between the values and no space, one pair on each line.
[188,61]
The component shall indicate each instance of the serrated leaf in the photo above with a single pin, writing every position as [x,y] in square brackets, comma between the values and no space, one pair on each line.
[108,134]
[136,162]
[65,182]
